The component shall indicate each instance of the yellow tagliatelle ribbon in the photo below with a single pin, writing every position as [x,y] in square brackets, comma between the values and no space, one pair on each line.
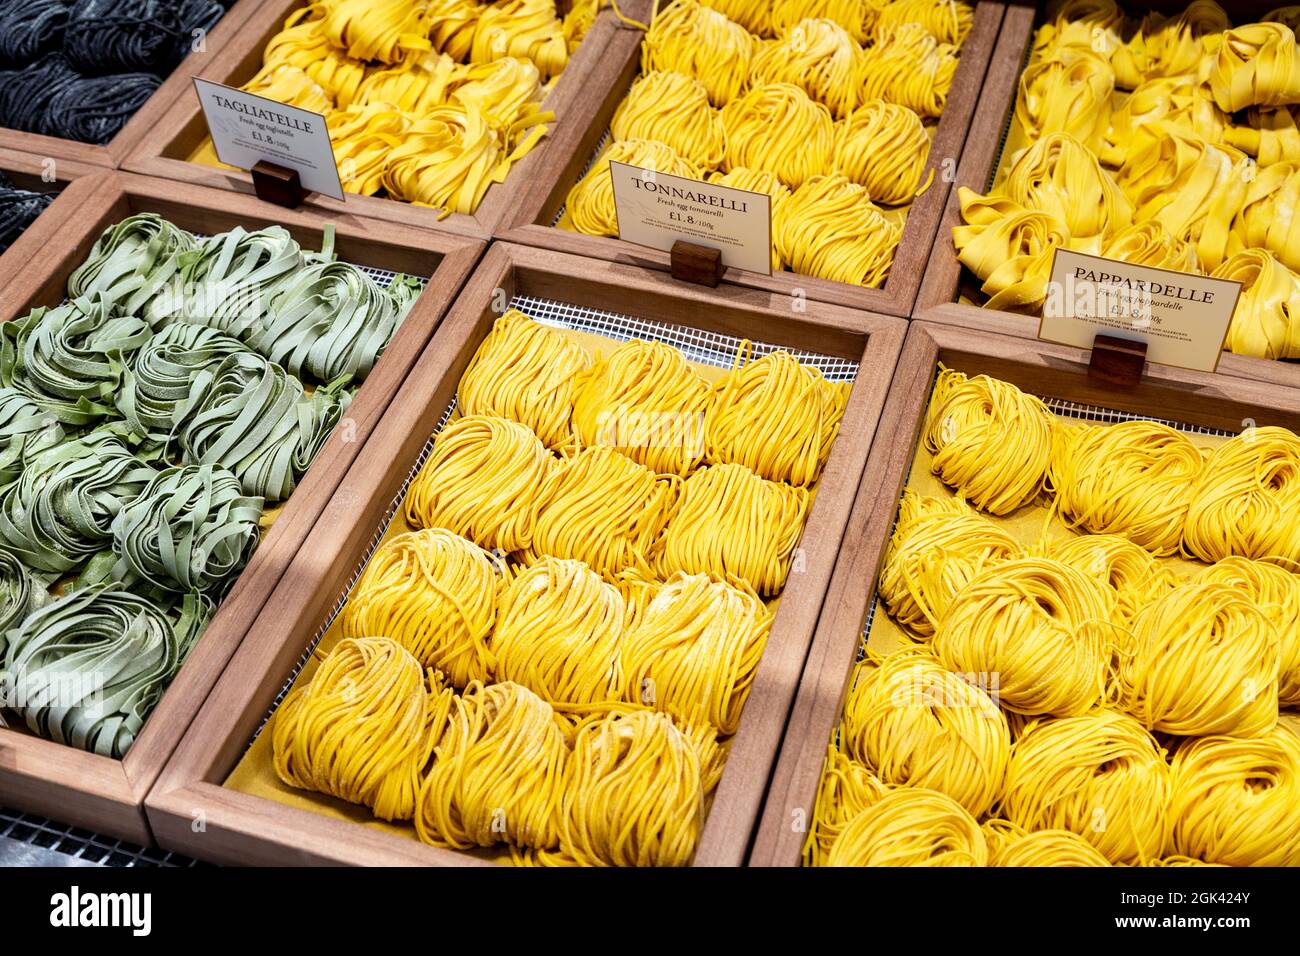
[498,772]
[1266,321]
[1150,244]
[435,593]
[991,442]
[647,401]
[1203,659]
[1276,592]
[672,109]
[910,827]
[528,29]
[1009,248]
[907,66]
[1068,92]
[1178,101]
[1099,775]
[1058,176]
[830,228]
[483,480]
[694,651]
[559,632]
[1044,628]
[362,730]
[1266,220]
[383,30]
[804,148]
[913,723]
[1256,65]
[1132,479]
[526,372]
[1234,799]
[590,203]
[775,416]
[938,546]
[1246,499]
[362,137]
[735,526]
[1168,46]
[451,26]
[688,37]
[291,85]
[1271,136]
[883,147]
[817,55]
[1094,24]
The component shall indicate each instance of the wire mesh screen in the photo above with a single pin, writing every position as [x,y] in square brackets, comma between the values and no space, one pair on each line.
[698,345]
[591,161]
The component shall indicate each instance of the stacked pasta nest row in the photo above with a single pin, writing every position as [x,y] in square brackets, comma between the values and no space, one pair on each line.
[145,424]
[1122,695]
[1168,142]
[427,101]
[825,107]
[577,607]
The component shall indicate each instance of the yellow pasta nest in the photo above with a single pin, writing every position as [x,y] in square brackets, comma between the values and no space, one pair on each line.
[1058,176]
[858,17]
[1099,775]
[1156,104]
[913,723]
[883,147]
[1276,592]
[673,109]
[1068,91]
[483,480]
[817,55]
[907,66]
[938,546]
[1150,244]
[910,827]
[830,228]
[775,416]
[1040,629]
[436,595]
[688,37]
[845,789]
[804,148]
[527,29]
[735,526]
[948,21]
[1048,848]
[1265,221]
[590,203]
[1168,46]
[1009,248]
[1256,65]
[1203,659]
[1131,572]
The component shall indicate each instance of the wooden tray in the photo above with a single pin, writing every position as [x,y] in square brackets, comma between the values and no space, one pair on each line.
[165,149]
[1211,401]
[48,175]
[946,282]
[104,794]
[112,154]
[240,828]
[532,224]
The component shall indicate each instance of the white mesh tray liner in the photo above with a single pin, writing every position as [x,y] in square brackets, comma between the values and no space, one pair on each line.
[698,345]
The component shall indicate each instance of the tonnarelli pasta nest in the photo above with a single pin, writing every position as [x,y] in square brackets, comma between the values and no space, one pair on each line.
[427,101]
[553,654]
[1166,141]
[184,386]
[1122,690]
[826,107]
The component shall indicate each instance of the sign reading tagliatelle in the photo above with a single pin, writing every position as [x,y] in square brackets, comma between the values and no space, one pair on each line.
[246,129]
[1182,318]
[657,209]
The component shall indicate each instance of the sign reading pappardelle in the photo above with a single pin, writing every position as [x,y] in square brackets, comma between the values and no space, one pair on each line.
[1183,318]
[246,128]
[657,209]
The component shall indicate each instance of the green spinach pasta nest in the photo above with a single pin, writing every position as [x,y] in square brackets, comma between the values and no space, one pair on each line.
[61,511]
[159,378]
[87,668]
[253,418]
[191,529]
[69,360]
[131,261]
[24,431]
[20,595]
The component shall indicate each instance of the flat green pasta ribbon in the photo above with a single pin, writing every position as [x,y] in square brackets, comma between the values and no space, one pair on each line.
[86,669]
[191,529]
[24,431]
[20,595]
[69,360]
[252,417]
[131,261]
[61,511]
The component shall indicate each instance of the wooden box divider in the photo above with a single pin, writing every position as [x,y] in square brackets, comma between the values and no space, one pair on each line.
[946,282]
[1202,399]
[242,828]
[112,154]
[47,175]
[533,223]
[164,150]
[105,794]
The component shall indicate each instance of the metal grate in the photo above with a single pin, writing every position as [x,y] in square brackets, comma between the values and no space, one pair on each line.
[591,161]
[703,347]
[27,840]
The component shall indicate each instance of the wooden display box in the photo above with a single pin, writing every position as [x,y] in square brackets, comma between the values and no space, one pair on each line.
[104,794]
[166,148]
[533,223]
[239,828]
[47,175]
[947,283]
[1217,402]
[112,154]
